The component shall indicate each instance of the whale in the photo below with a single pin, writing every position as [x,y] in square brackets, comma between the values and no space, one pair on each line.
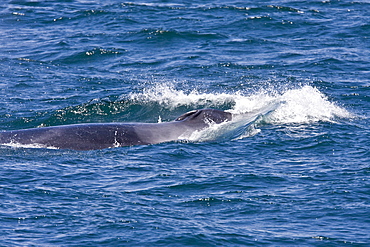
[93,136]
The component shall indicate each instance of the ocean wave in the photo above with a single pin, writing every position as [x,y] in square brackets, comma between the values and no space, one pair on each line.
[305,104]
[89,55]
[300,106]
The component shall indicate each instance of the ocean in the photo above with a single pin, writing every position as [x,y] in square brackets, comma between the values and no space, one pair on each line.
[294,174]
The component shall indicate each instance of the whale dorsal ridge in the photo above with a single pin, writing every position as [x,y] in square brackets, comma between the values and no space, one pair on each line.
[216,116]
[186,115]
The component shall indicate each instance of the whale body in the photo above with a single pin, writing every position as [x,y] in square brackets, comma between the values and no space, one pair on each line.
[92,136]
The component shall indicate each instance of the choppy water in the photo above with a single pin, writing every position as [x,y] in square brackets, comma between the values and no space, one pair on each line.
[297,175]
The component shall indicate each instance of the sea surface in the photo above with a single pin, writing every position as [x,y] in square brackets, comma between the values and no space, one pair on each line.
[297,173]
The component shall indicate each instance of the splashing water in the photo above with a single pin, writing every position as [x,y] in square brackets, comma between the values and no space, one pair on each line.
[304,105]
[169,97]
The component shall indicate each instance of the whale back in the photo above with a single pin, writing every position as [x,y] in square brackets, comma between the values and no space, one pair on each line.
[107,135]
[205,116]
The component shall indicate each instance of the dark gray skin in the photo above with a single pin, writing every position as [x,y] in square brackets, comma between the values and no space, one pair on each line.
[109,135]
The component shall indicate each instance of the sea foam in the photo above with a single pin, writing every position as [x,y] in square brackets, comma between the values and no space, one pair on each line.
[301,105]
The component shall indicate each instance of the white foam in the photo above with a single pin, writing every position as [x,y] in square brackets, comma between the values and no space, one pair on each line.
[302,105]
[19,145]
[169,97]
[213,132]
[306,105]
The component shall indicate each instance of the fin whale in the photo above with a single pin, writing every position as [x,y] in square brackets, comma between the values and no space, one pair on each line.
[91,136]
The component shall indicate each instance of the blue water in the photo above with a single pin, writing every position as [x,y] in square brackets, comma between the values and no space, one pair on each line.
[297,175]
